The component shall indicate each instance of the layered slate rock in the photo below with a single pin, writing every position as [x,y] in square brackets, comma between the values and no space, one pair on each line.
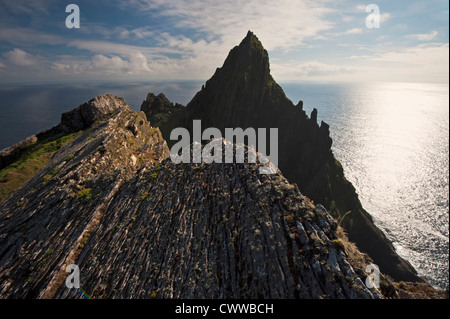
[242,93]
[216,231]
[165,230]
[44,225]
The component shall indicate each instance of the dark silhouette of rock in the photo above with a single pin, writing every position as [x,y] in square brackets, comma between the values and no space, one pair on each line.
[242,93]
[314,115]
[162,113]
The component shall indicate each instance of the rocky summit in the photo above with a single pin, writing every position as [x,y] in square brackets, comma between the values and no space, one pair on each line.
[242,93]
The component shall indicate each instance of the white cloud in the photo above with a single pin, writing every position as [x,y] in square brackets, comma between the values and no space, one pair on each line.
[109,64]
[106,47]
[347,32]
[354,31]
[384,17]
[348,19]
[310,71]
[361,8]
[26,6]
[316,68]
[279,25]
[421,63]
[101,64]
[29,36]
[120,32]
[20,58]
[423,36]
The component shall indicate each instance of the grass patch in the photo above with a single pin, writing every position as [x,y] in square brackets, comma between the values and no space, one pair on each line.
[154,176]
[33,159]
[355,258]
[84,240]
[89,137]
[69,157]
[85,194]
[154,295]
[153,131]
[155,173]
[50,175]
[144,196]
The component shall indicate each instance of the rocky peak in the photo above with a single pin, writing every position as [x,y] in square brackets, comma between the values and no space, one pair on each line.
[86,114]
[162,113]
[156,104]
[242,93]
[249,58]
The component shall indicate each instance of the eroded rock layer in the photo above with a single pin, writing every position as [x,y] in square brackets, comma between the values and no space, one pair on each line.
[140,226]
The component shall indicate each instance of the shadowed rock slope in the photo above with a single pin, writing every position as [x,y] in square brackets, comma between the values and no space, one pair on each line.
[140,226]
[242,93]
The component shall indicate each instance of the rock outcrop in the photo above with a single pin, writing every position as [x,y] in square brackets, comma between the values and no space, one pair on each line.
[74,120]
[46,221]
[162,113]
[242,93]
[140,226]
[13,152]
[86,114]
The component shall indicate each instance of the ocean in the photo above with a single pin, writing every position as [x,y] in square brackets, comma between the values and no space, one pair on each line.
[391,138]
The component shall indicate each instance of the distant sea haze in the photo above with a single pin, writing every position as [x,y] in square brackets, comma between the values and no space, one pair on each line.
[391,138]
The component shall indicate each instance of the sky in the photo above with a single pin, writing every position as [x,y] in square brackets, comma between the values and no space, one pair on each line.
[320,40]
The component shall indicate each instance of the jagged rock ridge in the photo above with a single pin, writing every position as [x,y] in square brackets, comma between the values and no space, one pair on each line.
[242,93]
[140,226]
[162,113]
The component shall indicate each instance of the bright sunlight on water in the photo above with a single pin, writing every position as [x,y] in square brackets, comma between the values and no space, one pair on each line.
[392,140]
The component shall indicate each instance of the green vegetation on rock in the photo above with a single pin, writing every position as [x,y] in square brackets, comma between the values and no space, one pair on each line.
[85,194]
[34,158]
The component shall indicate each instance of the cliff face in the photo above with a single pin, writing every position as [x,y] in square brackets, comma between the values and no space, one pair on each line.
[140,226]
[242,93]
